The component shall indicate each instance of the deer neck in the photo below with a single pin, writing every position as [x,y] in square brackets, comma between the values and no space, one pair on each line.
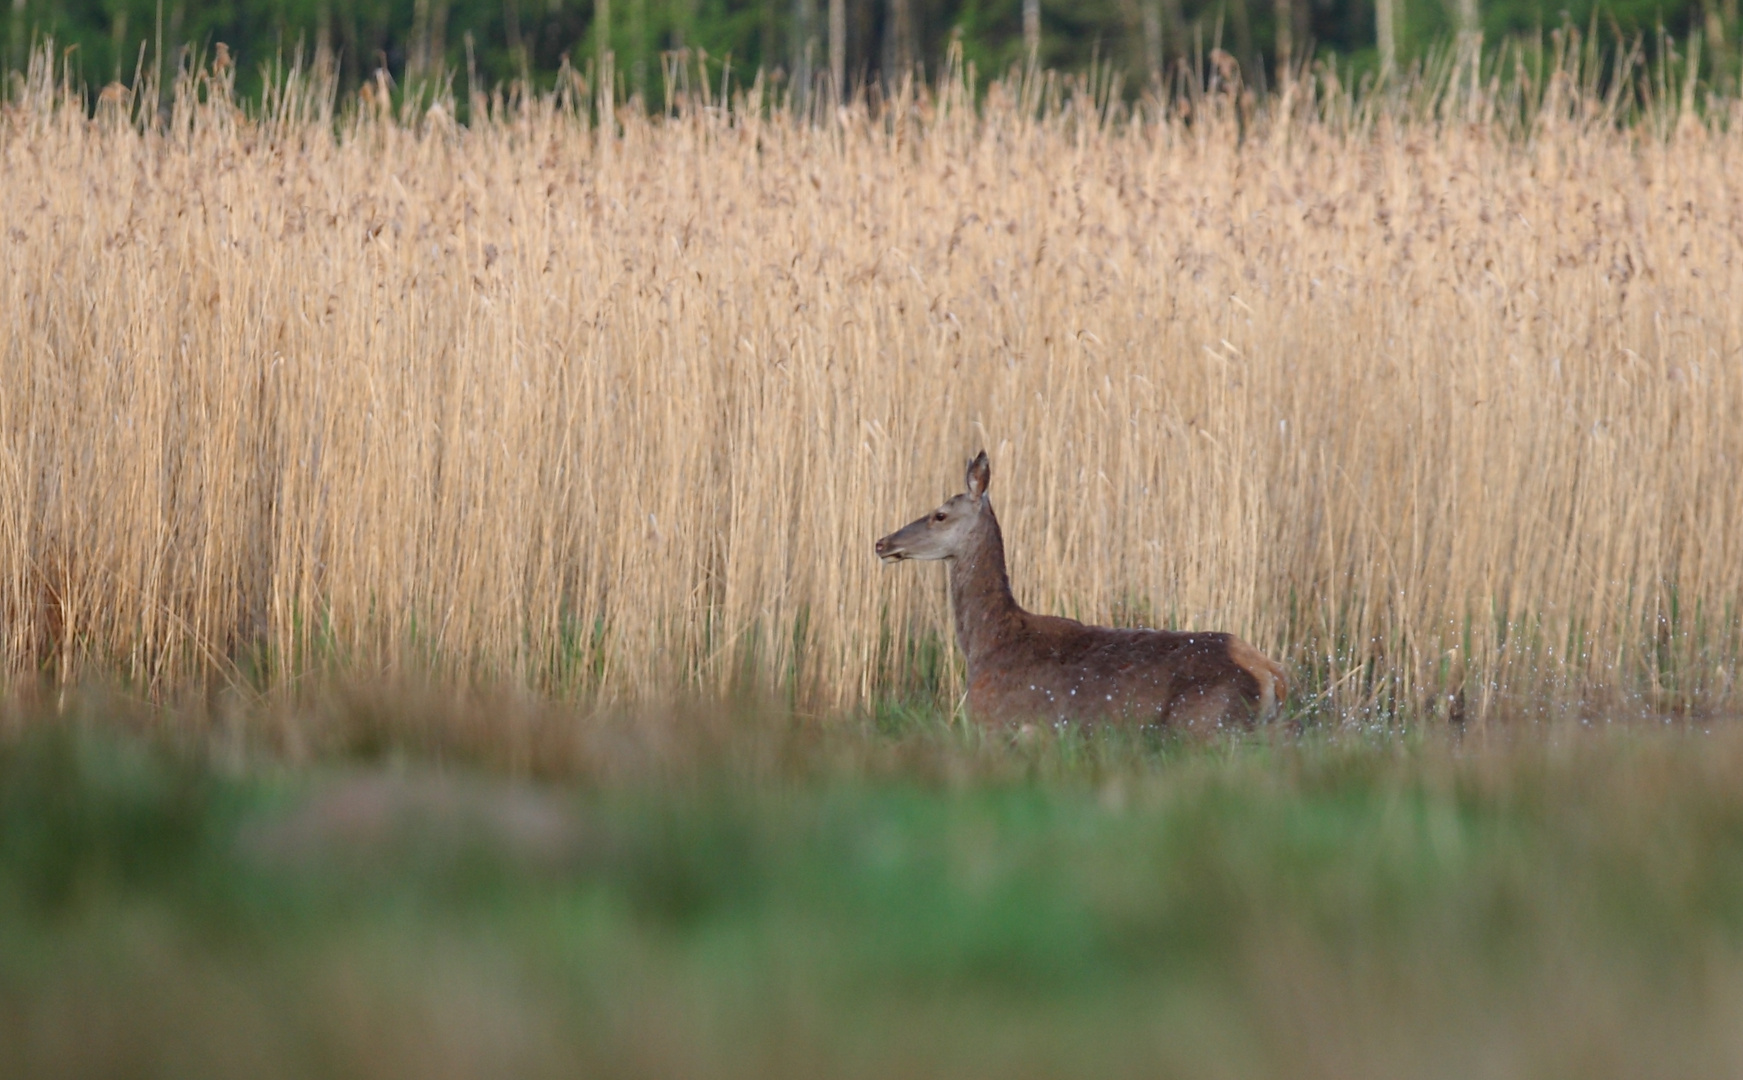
[980,590]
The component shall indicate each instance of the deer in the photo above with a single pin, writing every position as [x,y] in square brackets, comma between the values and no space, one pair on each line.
[1026,669]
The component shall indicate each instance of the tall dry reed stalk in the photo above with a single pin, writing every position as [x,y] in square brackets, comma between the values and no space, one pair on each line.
[1426,402]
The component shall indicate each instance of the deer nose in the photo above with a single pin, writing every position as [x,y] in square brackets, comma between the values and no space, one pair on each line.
[885,548]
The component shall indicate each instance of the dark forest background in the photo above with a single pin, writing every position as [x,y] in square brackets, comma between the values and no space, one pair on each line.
[808,43]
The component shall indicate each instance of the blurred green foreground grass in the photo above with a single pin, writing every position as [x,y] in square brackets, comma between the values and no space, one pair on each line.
[741,895]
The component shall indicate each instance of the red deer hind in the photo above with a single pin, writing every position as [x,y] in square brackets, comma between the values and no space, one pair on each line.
[1024,667]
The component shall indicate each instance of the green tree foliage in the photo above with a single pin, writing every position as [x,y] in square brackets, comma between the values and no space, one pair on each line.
[502,40]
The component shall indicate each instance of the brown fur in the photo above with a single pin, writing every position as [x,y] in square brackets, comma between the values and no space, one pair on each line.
[1029,668]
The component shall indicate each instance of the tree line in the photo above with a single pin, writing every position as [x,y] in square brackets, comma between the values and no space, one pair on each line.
[846,44]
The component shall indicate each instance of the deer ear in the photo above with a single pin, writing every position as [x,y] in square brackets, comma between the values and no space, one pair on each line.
[979,472]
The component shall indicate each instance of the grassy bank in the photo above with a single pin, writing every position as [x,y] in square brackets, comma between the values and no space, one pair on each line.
[755,895]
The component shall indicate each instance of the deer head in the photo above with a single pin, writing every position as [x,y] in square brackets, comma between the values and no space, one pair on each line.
[946,532]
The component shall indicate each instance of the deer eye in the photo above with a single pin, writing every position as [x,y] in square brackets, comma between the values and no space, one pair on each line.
[939,516]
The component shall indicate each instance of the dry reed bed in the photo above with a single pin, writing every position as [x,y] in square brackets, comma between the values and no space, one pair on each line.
[1419,406]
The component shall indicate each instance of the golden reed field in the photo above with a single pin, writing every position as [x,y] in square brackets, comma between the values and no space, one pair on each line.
[1434,396]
